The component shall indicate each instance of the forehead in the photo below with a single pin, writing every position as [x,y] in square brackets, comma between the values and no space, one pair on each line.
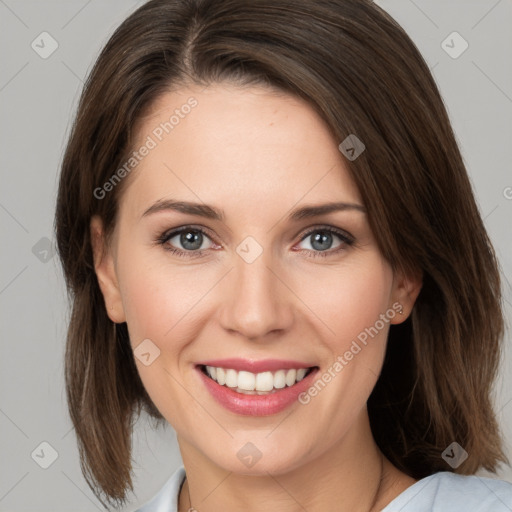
[247,148]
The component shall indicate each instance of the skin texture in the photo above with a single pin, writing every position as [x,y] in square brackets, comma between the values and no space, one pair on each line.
[257,155]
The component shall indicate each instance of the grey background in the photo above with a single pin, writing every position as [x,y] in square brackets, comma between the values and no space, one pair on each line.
[37,99]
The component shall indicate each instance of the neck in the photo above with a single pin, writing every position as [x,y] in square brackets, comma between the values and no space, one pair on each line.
[351,476]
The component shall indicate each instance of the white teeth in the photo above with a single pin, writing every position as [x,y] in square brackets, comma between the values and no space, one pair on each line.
[244,392]
[264,381]
[255,383]
[291,375]
[231,378]
[221,375]
[246,381]
[301,373]
[280,379]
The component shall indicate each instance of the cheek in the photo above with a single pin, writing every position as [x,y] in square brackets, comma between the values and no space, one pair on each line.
[353,310]
[351,299]
[160,301]
[156,304]
[153,304]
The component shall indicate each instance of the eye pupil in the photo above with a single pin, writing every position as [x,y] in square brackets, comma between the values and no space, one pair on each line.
[321,238]
[195,238]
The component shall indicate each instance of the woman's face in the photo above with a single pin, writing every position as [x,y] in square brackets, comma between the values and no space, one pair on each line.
[261,283]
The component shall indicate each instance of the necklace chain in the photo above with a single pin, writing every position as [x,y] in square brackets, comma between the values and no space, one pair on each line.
[192,509]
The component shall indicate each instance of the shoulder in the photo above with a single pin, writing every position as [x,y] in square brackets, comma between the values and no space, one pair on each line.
[166,499]
[450,492]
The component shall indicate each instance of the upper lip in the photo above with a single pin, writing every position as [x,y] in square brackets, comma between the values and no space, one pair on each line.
[249,365]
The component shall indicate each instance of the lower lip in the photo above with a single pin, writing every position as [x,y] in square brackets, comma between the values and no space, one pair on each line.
[256,405]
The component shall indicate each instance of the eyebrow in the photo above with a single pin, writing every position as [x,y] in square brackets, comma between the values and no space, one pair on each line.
[210,212]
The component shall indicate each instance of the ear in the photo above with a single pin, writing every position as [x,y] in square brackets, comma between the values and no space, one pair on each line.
[406,288]
[106,272]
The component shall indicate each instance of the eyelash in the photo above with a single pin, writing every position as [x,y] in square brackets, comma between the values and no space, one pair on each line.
[346,239]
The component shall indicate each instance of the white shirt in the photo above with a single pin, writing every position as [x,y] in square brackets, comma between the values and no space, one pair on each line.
[440,492]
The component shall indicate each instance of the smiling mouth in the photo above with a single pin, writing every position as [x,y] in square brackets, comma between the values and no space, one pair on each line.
[249,383]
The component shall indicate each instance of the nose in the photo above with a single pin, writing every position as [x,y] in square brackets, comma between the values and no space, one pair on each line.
[256,302]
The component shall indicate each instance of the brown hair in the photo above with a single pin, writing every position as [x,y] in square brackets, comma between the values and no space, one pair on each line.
[363,75]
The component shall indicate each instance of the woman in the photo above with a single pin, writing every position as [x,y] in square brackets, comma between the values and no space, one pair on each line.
[272,244]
